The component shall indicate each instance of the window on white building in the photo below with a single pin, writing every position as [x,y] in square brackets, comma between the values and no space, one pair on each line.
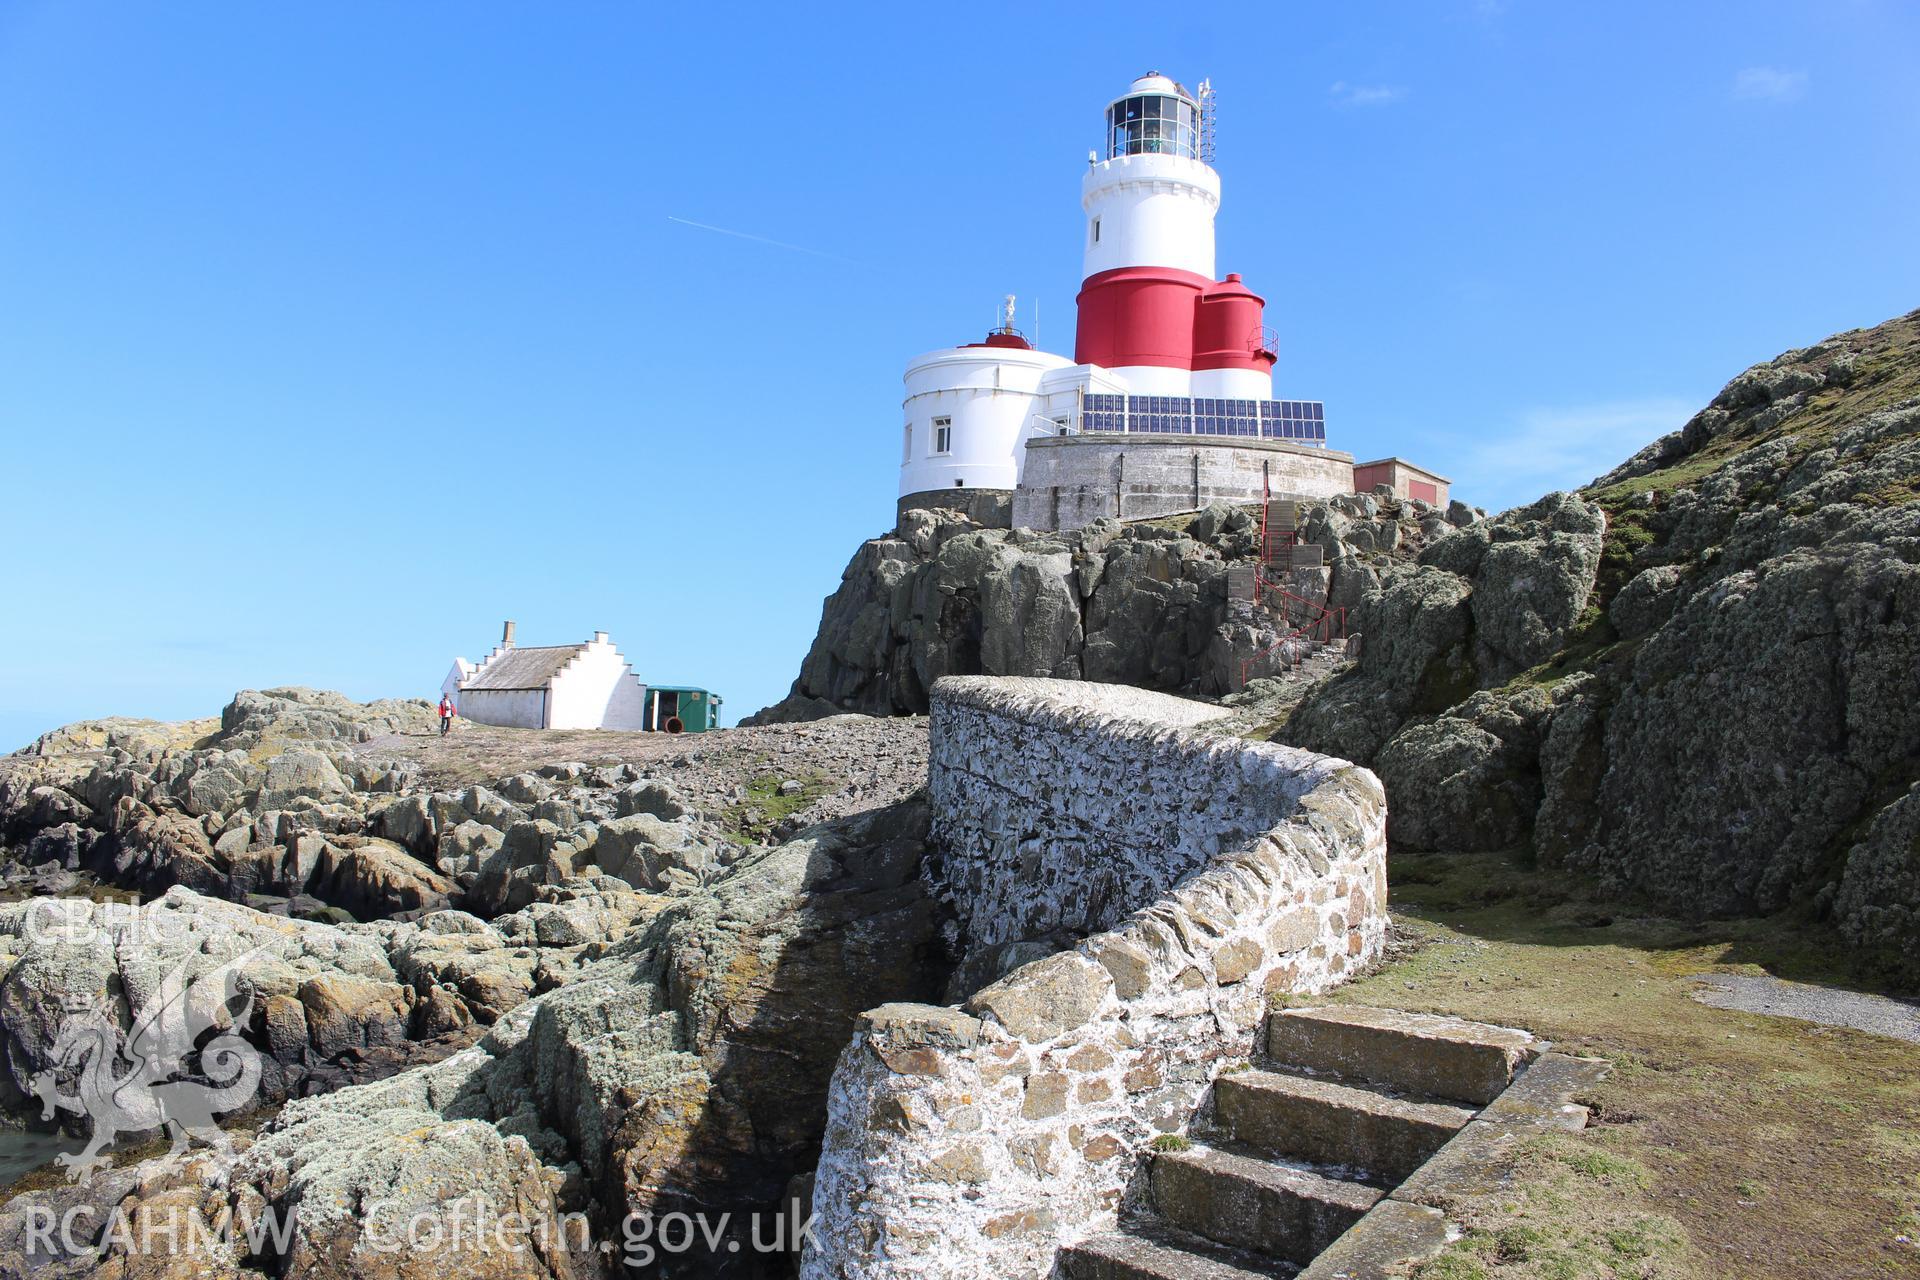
[943,435]
[1096,231]
[906,444]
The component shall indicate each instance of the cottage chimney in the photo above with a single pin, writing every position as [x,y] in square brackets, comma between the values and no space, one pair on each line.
[506,635]
[599,637]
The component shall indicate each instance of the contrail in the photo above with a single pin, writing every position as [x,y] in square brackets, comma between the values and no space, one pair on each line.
[748,235]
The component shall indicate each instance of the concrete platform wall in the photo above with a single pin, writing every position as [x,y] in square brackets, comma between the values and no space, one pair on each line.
[1070,481]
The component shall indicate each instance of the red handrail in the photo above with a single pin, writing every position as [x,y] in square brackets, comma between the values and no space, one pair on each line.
[1326,621]
[1331,624]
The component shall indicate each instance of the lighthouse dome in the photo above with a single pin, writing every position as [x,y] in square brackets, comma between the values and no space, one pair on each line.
[1154,82]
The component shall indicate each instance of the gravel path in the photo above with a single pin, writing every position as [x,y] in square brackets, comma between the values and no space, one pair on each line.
[1878,1015]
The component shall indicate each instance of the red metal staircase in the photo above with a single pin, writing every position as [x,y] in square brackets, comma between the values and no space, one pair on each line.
[1304,623]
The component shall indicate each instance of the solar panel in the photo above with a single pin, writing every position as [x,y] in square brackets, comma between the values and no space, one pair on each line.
[1303,420]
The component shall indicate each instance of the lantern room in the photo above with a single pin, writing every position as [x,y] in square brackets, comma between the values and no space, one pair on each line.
[1156,117]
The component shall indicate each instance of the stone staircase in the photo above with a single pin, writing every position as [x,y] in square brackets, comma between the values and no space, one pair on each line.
[1343,1107]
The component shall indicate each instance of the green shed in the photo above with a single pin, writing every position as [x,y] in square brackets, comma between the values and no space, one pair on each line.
[681,709]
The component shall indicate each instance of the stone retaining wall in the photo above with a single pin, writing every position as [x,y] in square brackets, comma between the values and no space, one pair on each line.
[1202,874]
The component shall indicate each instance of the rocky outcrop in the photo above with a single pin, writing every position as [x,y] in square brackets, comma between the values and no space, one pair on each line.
[711,1046]
[1130,603]
[1758,725]
[1878,902]
[279,808]
[1415,656]
[324,1005]
[682,1065]
[1467,780]
[1693,678]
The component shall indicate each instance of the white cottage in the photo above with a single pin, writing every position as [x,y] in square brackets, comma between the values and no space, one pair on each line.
[568,686]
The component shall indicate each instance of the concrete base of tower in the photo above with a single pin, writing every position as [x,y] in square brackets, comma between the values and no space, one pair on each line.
[991,508]
[1070,481]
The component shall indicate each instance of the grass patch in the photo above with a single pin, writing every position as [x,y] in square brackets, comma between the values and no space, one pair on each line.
[1886,373]
[1603,1166]
[1561,1218]
[1626,537]
[1170,1142]
[1724,1144]
[764,808]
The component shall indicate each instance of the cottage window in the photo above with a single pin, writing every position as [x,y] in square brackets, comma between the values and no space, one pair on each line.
[943,435]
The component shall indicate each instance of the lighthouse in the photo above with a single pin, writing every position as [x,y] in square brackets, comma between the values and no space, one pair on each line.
[1167,403]
[1150,309]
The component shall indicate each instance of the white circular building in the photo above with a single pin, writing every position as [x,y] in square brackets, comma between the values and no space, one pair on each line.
[1169,362]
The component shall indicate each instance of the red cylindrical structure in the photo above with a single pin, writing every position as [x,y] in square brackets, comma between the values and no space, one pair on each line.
[1003,338]
[1138,316]
[1227,328]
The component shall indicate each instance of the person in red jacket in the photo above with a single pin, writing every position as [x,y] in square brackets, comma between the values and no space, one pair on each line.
[446,714]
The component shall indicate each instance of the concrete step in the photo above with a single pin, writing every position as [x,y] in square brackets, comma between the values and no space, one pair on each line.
[1388,1243]
[1236,1198]
[1421,1053]
[1156,1252]
[1382,1138]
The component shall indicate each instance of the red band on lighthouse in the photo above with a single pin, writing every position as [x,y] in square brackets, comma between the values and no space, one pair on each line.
[1138,316]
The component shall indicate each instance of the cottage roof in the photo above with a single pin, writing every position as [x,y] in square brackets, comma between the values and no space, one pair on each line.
[530,668]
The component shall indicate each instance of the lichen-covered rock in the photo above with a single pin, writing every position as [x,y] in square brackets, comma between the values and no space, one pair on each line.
[1416,657]
[534,852]
[300,773]
[255,718]
[642,849]
[685,1068]
[372,877]
[655,799]
[407,821]
[1137,603]
[1878,903]
[1532,583]
[1754,725]
[1572,759]
[1734,652]
[1468,780]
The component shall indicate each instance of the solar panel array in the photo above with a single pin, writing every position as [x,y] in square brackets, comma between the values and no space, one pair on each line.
[1301,420]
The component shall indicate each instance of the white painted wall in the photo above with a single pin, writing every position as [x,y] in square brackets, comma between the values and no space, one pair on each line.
[509,708]
[1233,384]
[1154,380]
[1153,210]
[597,690]
[450,687]
[991,394]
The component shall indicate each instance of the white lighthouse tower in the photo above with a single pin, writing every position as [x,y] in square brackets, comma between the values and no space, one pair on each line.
[1150,309]
[1167,403]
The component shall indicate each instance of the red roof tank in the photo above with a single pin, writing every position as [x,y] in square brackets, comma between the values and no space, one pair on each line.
[1228,330]
[1004,338]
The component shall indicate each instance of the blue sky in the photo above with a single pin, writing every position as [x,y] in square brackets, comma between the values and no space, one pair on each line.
[331,335]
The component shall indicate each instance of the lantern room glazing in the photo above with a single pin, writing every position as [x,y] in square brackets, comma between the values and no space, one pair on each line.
[1153,124]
